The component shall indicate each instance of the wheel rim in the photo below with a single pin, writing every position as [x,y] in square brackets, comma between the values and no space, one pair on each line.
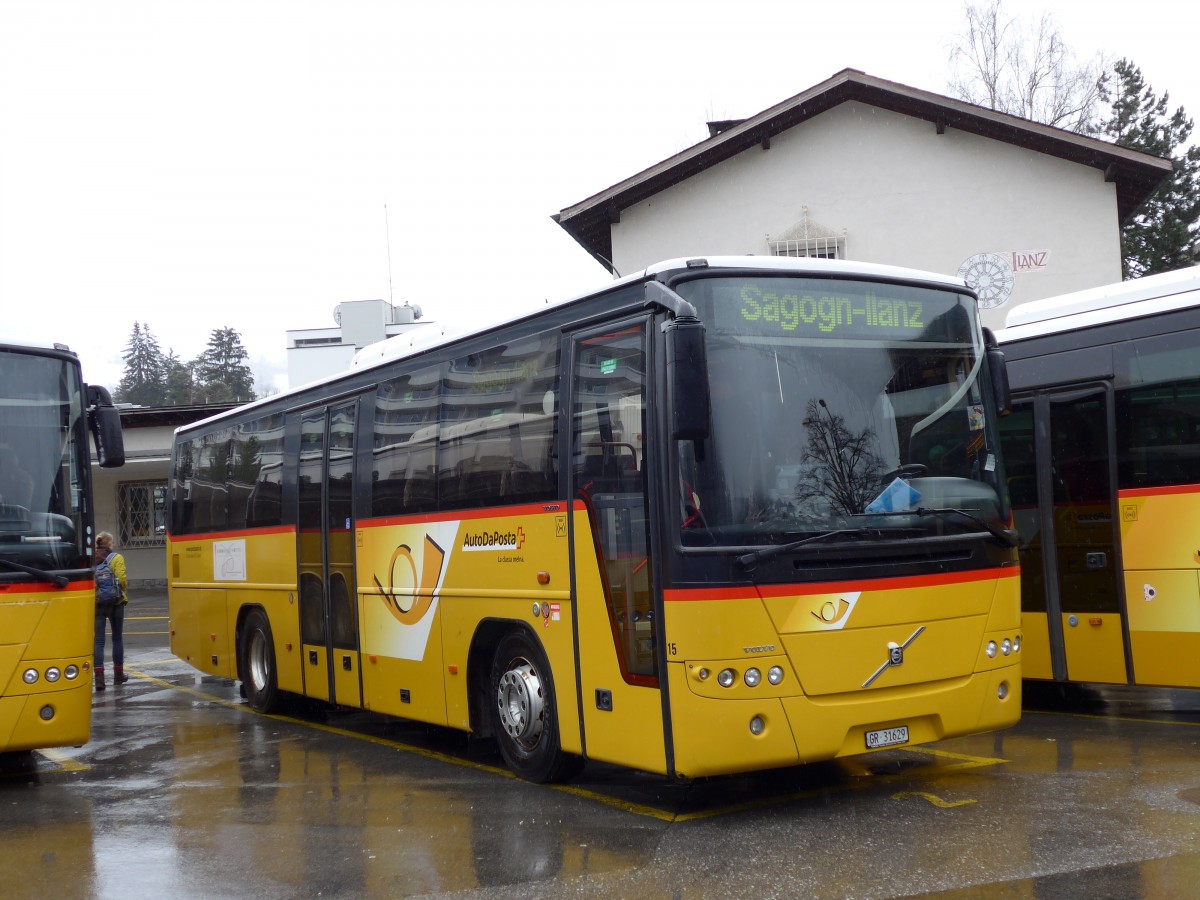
[258,662]
[519,696]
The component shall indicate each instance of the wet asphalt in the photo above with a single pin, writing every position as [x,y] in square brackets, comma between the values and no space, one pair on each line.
[184,791]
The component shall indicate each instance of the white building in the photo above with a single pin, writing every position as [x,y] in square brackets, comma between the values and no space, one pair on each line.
[314,353]
[866,169]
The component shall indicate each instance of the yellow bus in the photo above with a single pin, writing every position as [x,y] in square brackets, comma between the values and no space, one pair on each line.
[1103,456]
[47,595]
[724,515]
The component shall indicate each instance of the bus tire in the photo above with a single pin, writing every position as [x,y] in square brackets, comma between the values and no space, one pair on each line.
[524,711]
[257,663]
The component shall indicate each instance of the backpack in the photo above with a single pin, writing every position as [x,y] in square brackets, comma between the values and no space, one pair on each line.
[108,588]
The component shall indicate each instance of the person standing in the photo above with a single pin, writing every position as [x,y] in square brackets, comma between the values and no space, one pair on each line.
[111,582]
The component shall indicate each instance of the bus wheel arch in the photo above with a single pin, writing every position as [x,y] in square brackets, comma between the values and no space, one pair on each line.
[256,663]
[521,706]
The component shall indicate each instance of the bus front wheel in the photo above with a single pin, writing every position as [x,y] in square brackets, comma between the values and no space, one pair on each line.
[258,663]
[524,712]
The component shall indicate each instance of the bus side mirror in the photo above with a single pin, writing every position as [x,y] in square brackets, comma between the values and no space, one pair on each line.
[104,421]
[998,371]
[687,380]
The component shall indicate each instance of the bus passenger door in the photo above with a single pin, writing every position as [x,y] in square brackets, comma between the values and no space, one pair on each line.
[1057,451]
[328,598]
[615,613]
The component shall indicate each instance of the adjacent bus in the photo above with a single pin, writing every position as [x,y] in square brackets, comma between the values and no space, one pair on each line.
[47,596]
[1103,464]
[725,515]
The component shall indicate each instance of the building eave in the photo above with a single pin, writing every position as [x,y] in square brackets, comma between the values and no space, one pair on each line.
[1135,174]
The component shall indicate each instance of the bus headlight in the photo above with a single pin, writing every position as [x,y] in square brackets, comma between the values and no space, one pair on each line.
[72,672]
[53,674]
[991,650]
[753,677]
[30,676]
[1002,691]
[1006,647]
[757,725]
[1017,644]
[775,674]
[726,677]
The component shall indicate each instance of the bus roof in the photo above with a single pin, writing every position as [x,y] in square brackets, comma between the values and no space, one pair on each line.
[410,343]
[1111,303]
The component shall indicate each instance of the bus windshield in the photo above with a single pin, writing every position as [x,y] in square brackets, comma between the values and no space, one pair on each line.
[42,458]
[838,406]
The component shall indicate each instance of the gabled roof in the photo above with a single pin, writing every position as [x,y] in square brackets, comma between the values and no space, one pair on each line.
[1135,174]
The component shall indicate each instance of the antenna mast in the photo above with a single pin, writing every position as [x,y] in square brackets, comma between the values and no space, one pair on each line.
[387,232]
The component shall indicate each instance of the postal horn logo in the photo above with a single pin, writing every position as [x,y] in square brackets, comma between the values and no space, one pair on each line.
[476,541]
[405,597]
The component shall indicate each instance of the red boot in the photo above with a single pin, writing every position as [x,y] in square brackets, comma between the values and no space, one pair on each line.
[99,679]
[119,676]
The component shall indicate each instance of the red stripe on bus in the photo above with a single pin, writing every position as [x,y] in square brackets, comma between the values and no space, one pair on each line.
[839,587]
[46,588]
[1159,491]
[550,507]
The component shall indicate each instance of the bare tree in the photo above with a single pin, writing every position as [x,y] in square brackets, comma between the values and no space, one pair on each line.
[1028,72]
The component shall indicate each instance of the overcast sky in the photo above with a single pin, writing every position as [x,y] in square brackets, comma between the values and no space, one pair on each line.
[201,165]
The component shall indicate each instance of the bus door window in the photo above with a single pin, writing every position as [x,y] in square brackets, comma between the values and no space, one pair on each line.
[343,612]
[328,599]
[312,504]
[608,473]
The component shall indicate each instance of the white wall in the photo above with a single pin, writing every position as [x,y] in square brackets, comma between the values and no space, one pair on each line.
[905,196]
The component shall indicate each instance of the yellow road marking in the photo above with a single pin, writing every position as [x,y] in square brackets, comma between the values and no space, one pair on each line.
[1131,719]
[932,798]
[963,762]
[64,762]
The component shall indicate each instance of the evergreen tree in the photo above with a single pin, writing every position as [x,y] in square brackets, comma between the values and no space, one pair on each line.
[143,381]
[1164,234]
[177,380]
[221,371]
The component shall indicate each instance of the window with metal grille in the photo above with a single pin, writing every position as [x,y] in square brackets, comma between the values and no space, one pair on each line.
[820,247]
[142,513]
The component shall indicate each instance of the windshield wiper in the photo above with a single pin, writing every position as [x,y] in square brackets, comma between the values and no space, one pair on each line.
[750,559]
[1003,535]
[59,580]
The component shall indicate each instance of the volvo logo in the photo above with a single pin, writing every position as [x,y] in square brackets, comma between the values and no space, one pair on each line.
[895,656]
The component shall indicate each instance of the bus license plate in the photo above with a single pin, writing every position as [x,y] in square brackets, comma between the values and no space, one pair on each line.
[887,737]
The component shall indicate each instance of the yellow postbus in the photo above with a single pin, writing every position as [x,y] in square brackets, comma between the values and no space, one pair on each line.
[47,596]
[725,515]
[1103,465]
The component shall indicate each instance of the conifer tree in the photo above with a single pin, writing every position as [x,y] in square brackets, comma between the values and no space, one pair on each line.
[221,371]
[143,381]
[1164,234]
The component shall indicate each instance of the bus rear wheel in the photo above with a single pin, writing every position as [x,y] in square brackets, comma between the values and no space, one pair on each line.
[524,711]
[257,663]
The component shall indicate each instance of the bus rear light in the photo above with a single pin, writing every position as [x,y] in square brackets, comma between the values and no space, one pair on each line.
[775,674]
[726,678]
[30,676]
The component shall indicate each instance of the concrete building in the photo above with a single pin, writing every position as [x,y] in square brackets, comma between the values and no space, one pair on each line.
[861,168]
[314,353]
